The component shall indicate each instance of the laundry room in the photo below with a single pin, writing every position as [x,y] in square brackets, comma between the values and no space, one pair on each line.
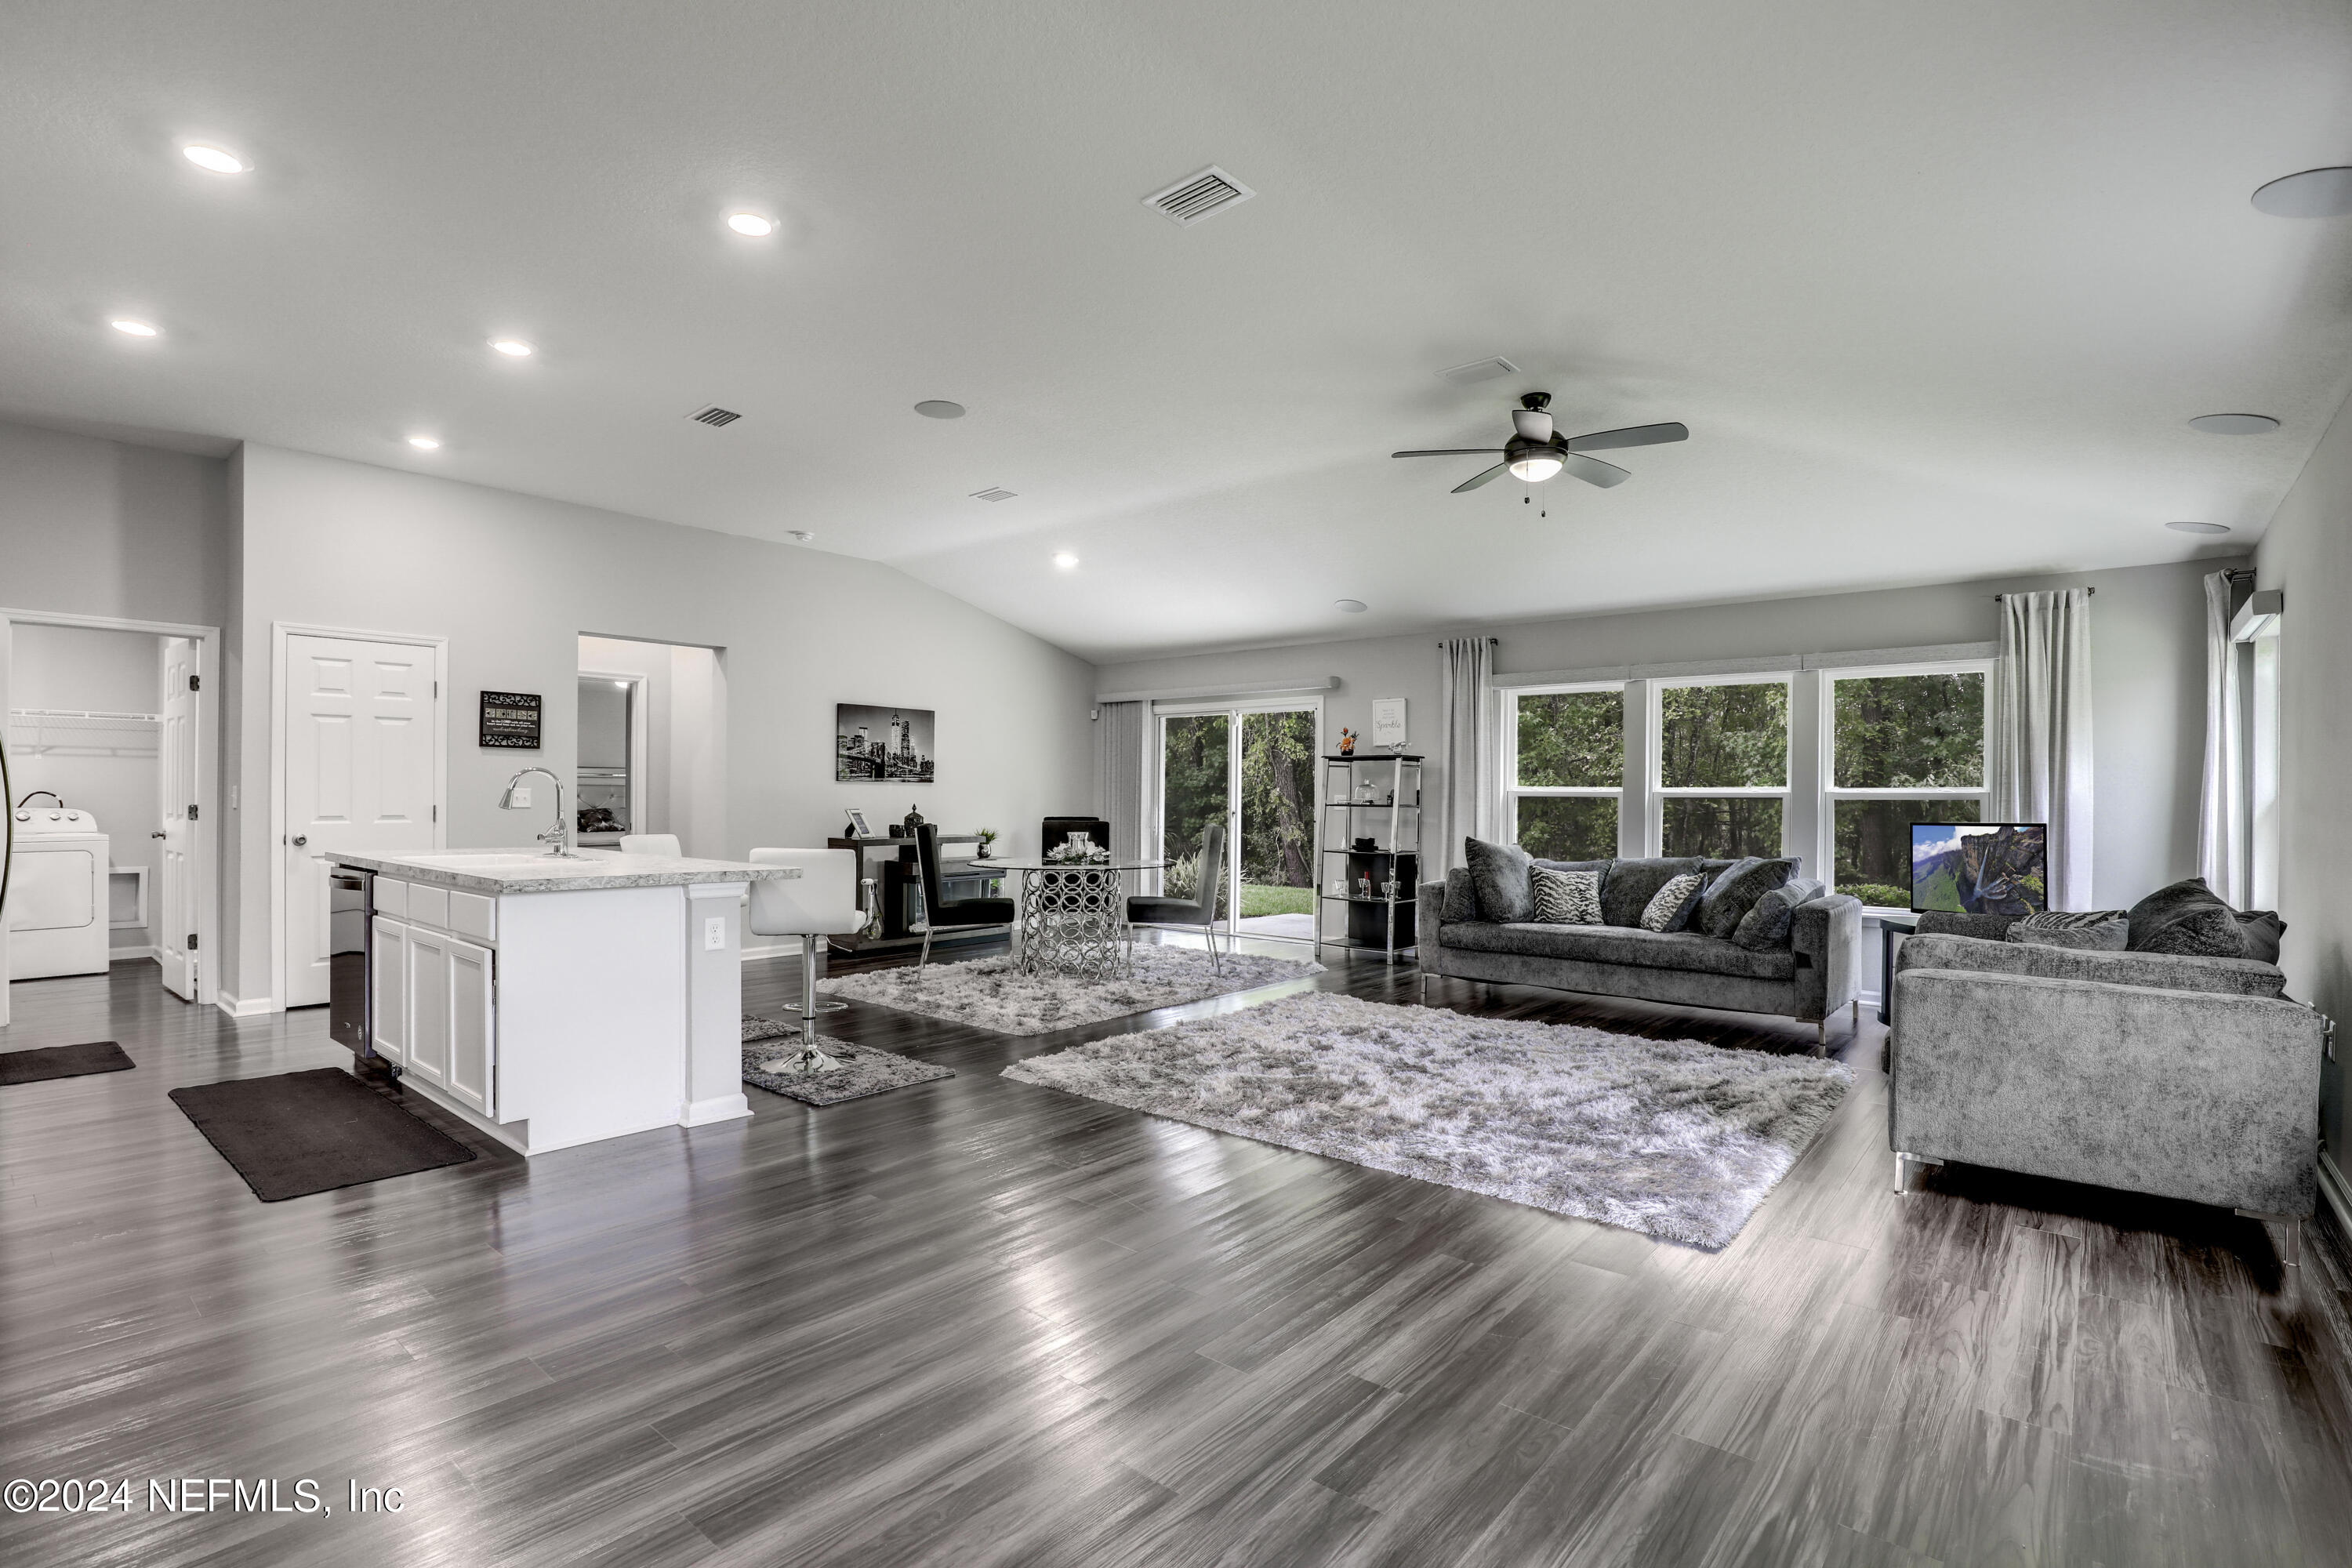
[86,726]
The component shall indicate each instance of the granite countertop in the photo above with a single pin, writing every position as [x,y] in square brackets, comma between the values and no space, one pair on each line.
[496,871]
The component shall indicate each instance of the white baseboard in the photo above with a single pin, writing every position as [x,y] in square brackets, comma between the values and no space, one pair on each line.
[248,1007]
[720,1108]
[2336,1190]
[788,948]
[131,954]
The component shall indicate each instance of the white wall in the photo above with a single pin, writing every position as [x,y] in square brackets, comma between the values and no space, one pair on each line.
[114,774]
[2148,687]
[2307,555]
[514,581]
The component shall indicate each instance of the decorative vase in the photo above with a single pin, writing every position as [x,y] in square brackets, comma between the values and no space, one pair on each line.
[914,820]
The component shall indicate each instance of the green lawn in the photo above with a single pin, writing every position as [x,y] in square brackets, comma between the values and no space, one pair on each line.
[1260,900]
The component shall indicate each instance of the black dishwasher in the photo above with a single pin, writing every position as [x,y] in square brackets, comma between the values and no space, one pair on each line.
[351,960]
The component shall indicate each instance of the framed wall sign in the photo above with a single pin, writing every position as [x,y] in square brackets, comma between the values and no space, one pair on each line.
[510,719]
[857,828]
[1388,721]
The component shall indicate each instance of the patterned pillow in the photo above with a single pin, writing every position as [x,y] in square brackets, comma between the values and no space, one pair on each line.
[2209,930]
[2107,935]
[1669,908]
[1565,898]
[2069,920]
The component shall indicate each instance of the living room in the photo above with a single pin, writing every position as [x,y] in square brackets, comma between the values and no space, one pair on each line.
[1184,786]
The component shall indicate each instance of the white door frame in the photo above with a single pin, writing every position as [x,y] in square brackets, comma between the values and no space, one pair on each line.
[280,686]
[208,732]
[640,789]
[1233,708]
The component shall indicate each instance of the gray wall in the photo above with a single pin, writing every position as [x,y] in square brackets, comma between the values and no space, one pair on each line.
[513,581]
[2147,688]
[2307,553]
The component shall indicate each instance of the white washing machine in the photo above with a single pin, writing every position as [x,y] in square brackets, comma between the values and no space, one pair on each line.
[57,894]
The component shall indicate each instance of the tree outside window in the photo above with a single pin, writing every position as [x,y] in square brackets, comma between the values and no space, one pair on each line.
[1723,768]
[1904,748]
[1566,772]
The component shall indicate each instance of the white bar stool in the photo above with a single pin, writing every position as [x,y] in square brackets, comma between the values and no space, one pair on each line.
[821,902]
[651,843]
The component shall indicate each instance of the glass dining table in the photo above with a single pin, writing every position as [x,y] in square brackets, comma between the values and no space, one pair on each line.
[1072,918]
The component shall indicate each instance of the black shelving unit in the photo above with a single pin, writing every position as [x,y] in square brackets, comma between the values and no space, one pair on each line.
[1371,859]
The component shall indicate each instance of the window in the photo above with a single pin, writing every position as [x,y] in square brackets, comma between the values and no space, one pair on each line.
[1722,778]
[1902,747]
[1565,772]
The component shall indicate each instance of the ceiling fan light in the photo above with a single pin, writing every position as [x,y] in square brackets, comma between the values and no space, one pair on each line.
[1535,468]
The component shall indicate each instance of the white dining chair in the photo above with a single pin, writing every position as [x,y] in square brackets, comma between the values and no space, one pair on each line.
[651,843]
[822,902]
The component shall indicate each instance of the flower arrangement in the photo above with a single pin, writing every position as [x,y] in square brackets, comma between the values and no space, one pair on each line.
[1086,854]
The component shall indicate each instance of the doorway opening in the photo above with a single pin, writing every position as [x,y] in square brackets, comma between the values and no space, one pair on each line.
[1251,768]
[652,746]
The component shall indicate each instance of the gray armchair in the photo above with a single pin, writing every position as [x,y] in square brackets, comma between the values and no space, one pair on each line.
[1197,912]
[2183,1078]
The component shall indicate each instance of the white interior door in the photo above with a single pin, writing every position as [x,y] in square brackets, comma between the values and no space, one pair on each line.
[174,916]
[361,722]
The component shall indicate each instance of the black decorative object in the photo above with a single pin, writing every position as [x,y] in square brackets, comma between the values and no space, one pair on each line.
[882,744]
[510,721]
[913,820]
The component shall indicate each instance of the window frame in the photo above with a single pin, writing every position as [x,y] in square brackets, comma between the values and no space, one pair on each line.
[1657,792]
[1508,739]
[1825,846]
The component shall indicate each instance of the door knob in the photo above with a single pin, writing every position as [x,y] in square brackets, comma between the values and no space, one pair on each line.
[159,835]
[300,839]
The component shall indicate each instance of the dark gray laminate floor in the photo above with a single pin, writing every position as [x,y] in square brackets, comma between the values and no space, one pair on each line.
[979,1323]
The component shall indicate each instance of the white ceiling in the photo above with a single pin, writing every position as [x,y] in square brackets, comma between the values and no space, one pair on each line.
[1934,286]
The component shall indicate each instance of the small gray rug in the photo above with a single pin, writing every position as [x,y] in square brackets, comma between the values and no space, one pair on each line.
[1671,1138]
[992,994]
[863,1069]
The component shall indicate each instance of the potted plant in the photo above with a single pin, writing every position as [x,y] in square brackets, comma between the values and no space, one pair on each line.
[987,838]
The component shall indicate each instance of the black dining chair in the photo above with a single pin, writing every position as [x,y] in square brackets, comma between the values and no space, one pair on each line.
[1058,829]
[1201,912]
[962,914]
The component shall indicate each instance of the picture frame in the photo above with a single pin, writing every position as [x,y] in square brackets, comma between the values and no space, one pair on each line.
[1388,722]
[857,827]
[879,743]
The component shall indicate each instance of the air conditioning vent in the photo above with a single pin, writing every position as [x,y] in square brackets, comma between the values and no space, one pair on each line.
[714,416]
[994,492]
[1478,370]
[1195,196]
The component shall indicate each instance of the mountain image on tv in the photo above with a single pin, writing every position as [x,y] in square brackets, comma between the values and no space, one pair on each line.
[1980,868]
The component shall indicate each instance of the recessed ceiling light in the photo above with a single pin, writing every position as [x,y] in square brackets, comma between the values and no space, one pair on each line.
[1065,559]
[2314,193]
[2234,423]
[219,160]
[2198,527]
[751,225]
[939,408]
[1349,607]
[426,443]
[513,348]
[129,327]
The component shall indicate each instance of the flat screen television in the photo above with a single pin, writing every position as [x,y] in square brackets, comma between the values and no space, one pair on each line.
[1981,867]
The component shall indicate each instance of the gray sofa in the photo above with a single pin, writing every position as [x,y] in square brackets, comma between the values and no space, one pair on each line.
[1809,980]
[2184,1078]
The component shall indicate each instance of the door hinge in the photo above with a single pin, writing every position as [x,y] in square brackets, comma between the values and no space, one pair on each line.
[191,813]
[436,813]
[192,941]
[195,683]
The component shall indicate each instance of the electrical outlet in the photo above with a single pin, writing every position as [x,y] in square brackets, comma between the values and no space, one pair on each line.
[522,798]
[714,935]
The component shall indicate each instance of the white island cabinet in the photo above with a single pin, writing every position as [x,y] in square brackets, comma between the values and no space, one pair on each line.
[557,1002]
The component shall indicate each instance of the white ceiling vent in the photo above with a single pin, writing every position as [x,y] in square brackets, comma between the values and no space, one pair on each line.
[1195,196]
[1478,370]
[714,416]
[994,492]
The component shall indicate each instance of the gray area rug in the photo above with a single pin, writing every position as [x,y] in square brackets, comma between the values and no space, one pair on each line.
[1671,1138]
[863,1070]
[992,994]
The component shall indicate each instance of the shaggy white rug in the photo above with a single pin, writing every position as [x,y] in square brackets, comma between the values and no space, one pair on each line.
[1671,1138]
[992,994]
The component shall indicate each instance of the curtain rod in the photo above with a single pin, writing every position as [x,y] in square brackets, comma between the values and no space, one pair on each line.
[1443,641]
[1997,599]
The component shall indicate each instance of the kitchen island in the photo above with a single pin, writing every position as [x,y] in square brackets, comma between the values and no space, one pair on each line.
[555,1001]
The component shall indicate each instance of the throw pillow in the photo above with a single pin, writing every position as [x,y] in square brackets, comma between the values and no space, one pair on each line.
[2103,936]
[2067,919]
[1565,898]
[1461,903]
[2262,930]
[1734,892]
[1773,922]
[1629,886]
[2166,906]
[1498,879]
[2205,931]
[1670,907]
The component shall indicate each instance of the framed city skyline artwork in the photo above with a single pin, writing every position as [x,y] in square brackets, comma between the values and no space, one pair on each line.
[878,744]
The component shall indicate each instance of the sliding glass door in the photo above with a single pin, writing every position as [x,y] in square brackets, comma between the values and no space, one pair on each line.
[1251,769]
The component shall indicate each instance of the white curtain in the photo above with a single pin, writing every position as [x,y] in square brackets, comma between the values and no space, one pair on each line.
[2041,759]
[1118,763]
[1465,714]
[2222,795]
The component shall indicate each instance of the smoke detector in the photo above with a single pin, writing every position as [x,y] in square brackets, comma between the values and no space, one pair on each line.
[1196,197]
[713,415]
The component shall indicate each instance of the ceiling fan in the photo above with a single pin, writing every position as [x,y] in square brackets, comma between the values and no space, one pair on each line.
[1536,452]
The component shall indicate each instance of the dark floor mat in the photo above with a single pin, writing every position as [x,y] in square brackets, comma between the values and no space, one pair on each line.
[63,1061]
[303,1132]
